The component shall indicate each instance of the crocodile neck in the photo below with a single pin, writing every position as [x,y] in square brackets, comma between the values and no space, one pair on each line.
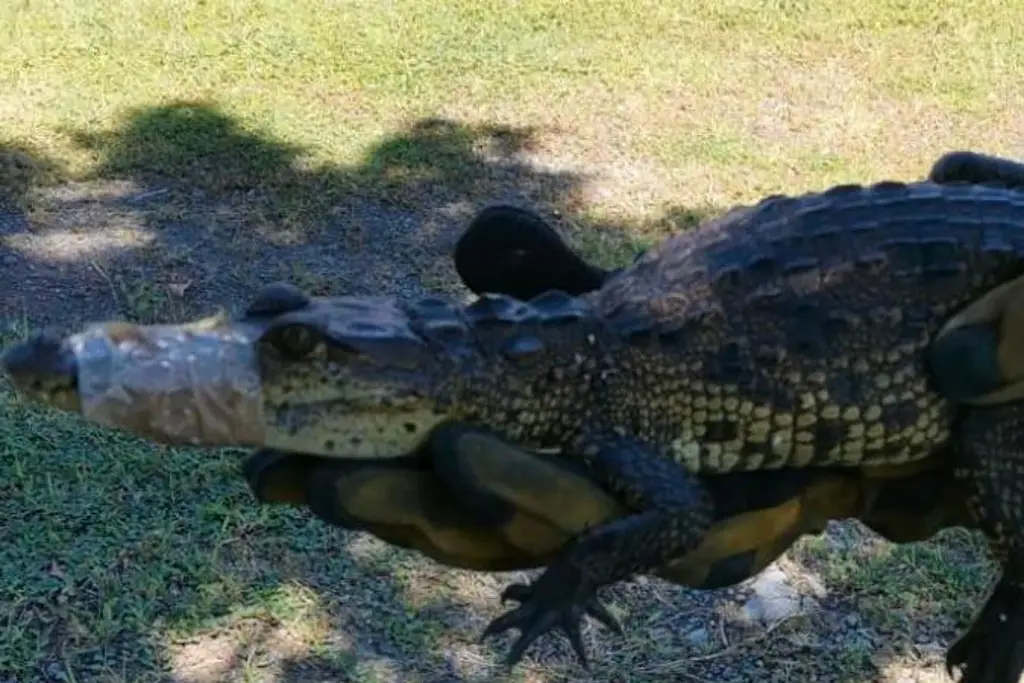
[527,369]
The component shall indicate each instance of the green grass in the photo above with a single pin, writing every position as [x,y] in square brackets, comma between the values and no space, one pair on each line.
[261,124]
[766,87]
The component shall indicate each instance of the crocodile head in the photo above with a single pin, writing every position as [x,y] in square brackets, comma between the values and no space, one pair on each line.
[365,377]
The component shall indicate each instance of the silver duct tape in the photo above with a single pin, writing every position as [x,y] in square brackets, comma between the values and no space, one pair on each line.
[196,385]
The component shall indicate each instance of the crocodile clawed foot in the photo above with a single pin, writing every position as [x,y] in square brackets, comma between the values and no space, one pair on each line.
[992,650]
[559,598]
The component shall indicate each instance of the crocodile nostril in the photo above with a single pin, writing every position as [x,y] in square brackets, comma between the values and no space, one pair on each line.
[43,355]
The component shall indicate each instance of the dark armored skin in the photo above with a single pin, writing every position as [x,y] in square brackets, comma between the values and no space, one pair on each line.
[787,335]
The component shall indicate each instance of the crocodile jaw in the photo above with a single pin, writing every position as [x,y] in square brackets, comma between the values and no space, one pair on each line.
[210,383]
[195,384]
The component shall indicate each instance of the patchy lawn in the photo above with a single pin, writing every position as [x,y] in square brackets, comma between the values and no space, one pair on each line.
[160,159]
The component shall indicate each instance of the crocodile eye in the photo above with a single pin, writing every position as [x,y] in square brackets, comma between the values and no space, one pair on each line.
[294,341]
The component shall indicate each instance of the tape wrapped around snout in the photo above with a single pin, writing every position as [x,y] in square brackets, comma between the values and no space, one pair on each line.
[196,385]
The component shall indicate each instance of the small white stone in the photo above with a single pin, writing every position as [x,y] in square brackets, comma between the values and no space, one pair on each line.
[774,598]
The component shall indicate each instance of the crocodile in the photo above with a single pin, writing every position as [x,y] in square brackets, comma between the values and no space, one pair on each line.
[468,500]
[815,331]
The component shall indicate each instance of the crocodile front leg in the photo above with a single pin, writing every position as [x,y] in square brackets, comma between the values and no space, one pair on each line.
[990,455]
[674,511]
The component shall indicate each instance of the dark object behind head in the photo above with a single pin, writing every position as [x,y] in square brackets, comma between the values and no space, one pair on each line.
[45,368]
[514,251]
[977,169]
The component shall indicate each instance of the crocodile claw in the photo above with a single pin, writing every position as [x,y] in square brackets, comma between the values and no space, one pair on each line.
[559,598]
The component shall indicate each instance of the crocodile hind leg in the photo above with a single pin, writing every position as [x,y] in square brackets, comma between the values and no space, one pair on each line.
[990,455]
[673,513]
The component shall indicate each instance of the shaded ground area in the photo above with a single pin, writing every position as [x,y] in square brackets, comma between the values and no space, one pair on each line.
[203,212]
[126,562]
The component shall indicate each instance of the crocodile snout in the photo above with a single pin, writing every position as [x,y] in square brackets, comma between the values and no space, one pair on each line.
[43,367]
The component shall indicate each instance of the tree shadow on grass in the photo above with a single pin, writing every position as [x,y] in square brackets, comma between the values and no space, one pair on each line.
[185,210]
[194,146]
[22,168]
